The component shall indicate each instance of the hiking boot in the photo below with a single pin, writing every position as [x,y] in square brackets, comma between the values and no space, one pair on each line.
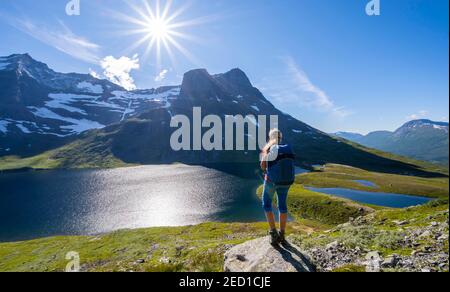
[274,237]
[282,237]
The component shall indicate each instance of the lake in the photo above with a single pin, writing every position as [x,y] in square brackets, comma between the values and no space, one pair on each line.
[379,199]
[82,202]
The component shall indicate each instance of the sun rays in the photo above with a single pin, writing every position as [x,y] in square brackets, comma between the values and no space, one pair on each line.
[159,30]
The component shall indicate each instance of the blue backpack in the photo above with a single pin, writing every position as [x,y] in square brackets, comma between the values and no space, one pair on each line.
[281,171]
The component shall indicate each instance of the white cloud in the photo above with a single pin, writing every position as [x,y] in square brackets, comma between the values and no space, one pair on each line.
[295,88]
[60,38]
[161,76]
[118,70]
[94,74]
[419,115]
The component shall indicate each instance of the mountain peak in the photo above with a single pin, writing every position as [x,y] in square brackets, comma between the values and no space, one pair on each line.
[422,126]
[424,123]
[236,78]
[24,59]
[196,73]
[25,63]
[198,84]
[19,56]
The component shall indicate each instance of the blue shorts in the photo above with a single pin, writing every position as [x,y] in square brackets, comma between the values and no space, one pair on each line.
[282,193]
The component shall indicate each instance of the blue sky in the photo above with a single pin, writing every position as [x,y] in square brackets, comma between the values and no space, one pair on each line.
[324,61]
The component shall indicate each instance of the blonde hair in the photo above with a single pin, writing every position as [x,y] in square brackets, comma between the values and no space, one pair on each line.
[275,137]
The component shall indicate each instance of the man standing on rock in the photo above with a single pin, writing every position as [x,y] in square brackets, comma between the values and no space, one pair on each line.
[277,161]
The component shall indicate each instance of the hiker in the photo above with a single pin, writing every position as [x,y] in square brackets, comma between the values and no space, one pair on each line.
[277,162]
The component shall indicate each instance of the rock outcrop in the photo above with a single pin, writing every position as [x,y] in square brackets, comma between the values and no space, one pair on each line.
[259,256]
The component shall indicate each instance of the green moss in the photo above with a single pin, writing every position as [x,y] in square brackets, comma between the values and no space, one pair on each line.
[350,269]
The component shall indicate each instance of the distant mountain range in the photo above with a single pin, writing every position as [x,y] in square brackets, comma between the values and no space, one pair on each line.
[419,139]
[81,121]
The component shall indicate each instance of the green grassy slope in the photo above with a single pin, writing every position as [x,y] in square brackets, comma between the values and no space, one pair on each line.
[321,208]
[192,248]
[78,154]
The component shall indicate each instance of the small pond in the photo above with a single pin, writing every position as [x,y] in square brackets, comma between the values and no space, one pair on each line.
[379,199]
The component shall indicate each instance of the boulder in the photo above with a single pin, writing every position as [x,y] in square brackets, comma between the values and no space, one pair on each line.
[390,262]
[401,223]
[260,256]
[373,261]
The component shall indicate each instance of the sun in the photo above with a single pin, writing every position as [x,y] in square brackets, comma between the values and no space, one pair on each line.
[159,29]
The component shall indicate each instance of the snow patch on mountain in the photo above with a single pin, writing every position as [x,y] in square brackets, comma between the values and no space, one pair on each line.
[442,128]
[24,129]
[136,95]
[90,88]
[127,111]
[255,108]
[74,126]
[63,101]
[4,126]
[134,98]
[79,126]
[3,65]
[123,102]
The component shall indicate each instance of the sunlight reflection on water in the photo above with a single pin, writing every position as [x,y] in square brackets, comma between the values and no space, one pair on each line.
[95,201]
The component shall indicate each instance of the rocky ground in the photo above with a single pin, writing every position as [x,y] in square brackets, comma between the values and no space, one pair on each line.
[260,256]
[373,243]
